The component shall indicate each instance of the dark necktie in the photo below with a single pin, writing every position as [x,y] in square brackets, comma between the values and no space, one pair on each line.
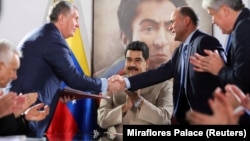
[182,79]
[183,65]
[228,43]
[228,46]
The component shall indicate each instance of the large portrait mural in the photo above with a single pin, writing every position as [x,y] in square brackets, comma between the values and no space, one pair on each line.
[118,22]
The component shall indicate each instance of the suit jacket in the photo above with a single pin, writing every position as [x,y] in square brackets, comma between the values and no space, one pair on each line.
[116,68]
[238,65]
[199,86]
[156,109]
[9,125]
[46,62]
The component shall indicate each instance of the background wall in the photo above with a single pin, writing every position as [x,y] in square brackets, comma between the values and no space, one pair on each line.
[107,35]
[20,16]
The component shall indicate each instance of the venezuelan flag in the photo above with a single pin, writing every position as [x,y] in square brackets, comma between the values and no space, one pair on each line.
[76,119]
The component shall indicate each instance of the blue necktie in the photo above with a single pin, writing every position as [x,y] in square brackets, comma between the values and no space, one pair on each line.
[182,79]
[183,65]
[228,43]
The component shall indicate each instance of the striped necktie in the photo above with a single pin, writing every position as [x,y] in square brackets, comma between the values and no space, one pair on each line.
[184,58]
[182,79]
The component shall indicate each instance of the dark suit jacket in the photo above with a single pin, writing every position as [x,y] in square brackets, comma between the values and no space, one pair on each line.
[9,125]
[199,86]
[46,62]
[238,65]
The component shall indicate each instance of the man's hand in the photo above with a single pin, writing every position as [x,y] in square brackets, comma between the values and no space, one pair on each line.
[231,94]
[35,113]
[243,98]
[66,99]
[223,112]
[133,95]
[9,103]
[30,98]
[127,105]
[116,83]
[211,63]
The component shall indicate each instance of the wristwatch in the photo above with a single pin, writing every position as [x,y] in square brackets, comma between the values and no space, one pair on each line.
[138,102]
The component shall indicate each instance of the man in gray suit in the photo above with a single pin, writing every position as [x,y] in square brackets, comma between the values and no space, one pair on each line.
[151,105]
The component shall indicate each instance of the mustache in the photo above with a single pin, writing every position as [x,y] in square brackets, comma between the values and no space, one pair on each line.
[133,68]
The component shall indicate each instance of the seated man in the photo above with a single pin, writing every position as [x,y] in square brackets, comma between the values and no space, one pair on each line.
[15,109]
[151,105]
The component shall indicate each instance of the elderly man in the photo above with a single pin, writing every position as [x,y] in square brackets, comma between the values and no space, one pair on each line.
[14,109]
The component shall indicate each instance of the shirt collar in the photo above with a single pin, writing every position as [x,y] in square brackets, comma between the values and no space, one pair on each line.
[187,41]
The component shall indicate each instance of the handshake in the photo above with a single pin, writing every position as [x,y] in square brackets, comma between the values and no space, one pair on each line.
[116,83]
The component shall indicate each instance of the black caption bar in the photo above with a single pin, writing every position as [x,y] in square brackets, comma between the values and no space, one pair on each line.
[198,132]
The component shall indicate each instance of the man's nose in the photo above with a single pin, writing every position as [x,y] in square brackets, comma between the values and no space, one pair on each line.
[133,63]
[161,38]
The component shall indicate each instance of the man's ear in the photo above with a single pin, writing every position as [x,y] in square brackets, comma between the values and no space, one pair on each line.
[187,20]
[124,39]
[60,18]
[226,11]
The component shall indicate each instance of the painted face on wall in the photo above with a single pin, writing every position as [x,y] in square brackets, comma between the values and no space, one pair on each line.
[150,25]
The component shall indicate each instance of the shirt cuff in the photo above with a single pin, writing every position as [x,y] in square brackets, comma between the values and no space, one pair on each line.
[138,102]
[247,111]
[128,86]
[104,87]
[240,108]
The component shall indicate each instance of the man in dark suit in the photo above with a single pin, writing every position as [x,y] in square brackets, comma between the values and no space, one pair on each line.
[47,63]
[234,19]
[196,88]
[237,68]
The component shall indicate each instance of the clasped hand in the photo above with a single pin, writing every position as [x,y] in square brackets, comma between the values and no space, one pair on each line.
[116,83]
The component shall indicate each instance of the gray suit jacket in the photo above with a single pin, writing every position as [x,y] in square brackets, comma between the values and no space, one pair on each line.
[156,109]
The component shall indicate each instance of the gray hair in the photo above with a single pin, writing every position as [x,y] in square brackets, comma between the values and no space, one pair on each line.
[60,7]
[6,51]
[236,5]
